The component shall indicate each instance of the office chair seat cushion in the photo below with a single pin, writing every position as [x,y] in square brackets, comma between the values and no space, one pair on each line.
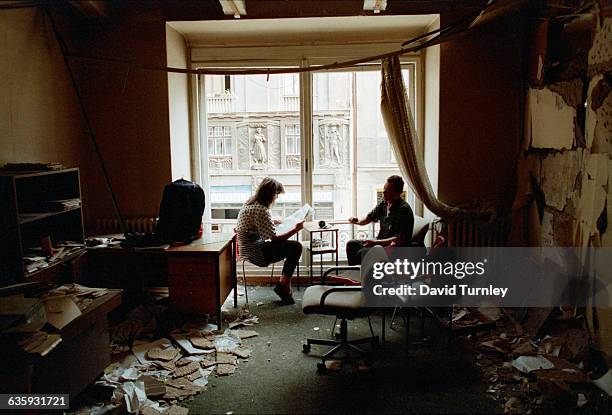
[347,304]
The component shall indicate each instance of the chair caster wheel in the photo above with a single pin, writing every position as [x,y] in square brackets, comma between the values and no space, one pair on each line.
[321,368]
[305,348]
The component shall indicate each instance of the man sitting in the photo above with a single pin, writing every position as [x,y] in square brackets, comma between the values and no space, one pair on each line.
[396,222]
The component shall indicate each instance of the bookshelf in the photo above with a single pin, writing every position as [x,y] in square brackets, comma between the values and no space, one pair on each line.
[34,206]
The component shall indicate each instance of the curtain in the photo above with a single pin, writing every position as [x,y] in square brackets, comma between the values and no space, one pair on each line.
[399,123]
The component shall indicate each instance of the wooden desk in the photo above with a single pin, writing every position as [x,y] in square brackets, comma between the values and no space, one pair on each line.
[199,275]
[195,271]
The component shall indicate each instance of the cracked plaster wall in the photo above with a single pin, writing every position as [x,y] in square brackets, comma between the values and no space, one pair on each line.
[564,173]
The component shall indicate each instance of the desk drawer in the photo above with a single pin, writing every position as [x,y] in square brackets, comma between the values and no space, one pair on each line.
[191,266]
[192,295]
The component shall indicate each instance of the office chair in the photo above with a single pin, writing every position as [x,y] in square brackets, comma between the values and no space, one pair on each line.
[344,303]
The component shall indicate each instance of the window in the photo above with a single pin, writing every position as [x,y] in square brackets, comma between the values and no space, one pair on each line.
[291,84]
[292,139]
[220,141]
[258,131]
[352,154]
[249,140]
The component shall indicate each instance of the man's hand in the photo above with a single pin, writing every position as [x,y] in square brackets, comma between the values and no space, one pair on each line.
[353,219]
[369,243]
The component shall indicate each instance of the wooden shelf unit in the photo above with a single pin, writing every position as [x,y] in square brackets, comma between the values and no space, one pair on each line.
[25,217]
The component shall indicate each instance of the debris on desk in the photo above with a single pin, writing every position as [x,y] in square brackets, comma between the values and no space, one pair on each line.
[40,343]
[78,290]
[60,311]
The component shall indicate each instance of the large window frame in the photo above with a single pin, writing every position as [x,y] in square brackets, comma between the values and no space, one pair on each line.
[218,58]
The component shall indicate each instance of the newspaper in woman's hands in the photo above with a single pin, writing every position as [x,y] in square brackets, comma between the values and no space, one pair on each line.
[290,221]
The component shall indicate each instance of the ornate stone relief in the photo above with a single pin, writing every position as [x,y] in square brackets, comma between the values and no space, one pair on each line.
[258,147]
[333,143]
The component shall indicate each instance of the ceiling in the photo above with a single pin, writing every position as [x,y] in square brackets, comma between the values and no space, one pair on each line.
[304,31]
[182,10]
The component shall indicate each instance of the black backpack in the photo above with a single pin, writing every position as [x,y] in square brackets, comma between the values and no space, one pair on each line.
[180,211]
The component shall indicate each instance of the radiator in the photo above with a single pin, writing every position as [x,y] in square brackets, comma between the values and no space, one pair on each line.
[465,232]
[112,225]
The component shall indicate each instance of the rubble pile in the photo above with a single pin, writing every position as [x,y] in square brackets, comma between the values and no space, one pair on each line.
[154,376]
[543,363]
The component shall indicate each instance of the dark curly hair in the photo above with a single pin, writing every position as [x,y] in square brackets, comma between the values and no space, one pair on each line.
[266,192]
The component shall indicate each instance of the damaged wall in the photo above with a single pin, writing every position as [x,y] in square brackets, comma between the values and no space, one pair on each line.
[565,167]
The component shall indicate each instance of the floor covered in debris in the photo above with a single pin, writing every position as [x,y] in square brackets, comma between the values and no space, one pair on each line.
[271,374]
[279,378]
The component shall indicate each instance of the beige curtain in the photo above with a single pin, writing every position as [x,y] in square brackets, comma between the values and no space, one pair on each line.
[399,124]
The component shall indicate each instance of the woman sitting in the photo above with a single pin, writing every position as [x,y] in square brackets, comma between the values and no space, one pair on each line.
[258,241]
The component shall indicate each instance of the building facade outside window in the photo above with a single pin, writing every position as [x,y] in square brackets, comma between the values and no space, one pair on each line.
[256,133]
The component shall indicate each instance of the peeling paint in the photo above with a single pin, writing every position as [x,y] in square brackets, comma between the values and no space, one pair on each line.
[570,91]
[600,55]
[551,120]
[547,236]
[599,93]
[593,196]
[602,133]
[564,228]
[559,171]
[606,238]
[591,116]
